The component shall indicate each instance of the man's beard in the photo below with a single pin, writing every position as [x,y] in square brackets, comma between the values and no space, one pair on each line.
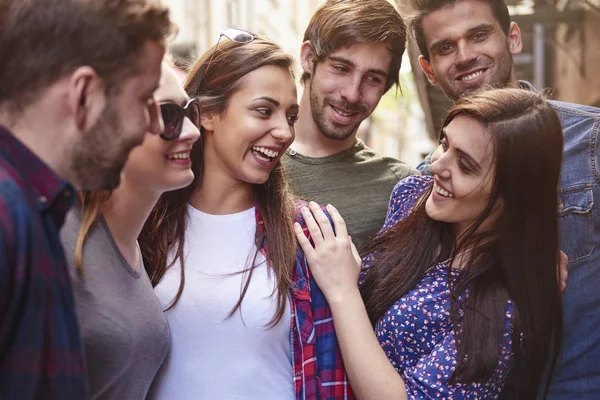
[99,157]
[333,132]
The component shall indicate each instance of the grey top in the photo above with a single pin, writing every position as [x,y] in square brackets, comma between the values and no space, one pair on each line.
[124,329]
[357,181]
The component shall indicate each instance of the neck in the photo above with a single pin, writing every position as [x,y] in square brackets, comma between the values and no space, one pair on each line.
[222,195]
[125,213]
[514,83]
[33,132]
[310,141]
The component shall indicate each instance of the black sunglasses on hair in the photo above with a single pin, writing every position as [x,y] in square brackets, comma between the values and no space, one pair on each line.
[173,116]
[236,35]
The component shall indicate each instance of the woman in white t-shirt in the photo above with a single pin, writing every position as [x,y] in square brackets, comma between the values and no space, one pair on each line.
[242,325]
[123,327]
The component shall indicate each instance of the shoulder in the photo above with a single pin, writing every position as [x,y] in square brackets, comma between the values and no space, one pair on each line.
[70,229]
[564,109]
[410,188]
[568,112]
[404,197]
[399,168]
[407,191]
[15,207]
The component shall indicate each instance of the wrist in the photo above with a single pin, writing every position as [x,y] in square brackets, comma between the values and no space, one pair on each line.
[343,296]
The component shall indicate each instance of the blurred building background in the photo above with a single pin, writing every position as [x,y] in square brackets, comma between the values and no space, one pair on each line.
[560,39]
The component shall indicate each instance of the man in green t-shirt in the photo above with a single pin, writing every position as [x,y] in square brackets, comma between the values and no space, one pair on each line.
[350,57]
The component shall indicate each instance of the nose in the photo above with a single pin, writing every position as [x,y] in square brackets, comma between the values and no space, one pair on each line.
[155,118]
[465,54]
[351,91]
[283,131]
[440,162]
[189,131]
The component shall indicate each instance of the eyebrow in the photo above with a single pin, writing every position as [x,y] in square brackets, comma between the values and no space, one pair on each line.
[275,102]
[343,60]
[474,163]
[269,99]
[470,31]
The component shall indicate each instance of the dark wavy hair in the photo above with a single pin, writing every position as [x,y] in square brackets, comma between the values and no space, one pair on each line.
[516,260]
[214,85]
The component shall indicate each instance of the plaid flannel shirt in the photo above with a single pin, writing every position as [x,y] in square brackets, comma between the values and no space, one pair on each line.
[41,354]
[317,362]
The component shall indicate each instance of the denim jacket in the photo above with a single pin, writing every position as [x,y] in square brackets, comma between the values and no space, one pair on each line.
[577,374]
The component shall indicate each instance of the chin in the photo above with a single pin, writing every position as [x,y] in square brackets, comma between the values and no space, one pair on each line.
[180,182]
[434,213]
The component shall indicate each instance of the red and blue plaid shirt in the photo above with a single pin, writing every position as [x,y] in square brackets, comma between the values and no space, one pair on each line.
[317,362]
[41,352]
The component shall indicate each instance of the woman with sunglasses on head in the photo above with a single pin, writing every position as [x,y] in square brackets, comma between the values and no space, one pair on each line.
[123,326]
[222,252]
[461,284]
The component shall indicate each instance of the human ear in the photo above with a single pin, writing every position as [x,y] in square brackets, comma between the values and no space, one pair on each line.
[427,70]
[86,97]
[515,44]
[207,121]
[306,57]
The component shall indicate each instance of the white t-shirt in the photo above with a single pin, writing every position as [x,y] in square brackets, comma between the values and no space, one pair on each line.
[213,356]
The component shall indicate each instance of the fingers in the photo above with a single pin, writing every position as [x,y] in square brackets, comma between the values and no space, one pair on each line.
[354,250]
[322,220]
[303,240]
[563,270]
[311,224]
[341,230]
[321,229]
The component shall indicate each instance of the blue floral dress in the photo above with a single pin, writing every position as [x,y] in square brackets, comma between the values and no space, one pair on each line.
[416,332]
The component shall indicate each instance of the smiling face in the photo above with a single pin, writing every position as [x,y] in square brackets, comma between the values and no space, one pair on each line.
[159,165]
[98,158]
[247,140]
[346,87]
[468,48]
[463,168]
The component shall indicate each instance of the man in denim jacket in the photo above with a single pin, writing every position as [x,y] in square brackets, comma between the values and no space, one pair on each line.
[466,44]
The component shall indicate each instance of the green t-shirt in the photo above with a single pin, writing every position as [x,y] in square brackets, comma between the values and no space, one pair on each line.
[357,181]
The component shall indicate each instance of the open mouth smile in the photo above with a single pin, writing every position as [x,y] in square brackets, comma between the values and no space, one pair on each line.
[441,191]
[182,155]
[471,76]
[264,154]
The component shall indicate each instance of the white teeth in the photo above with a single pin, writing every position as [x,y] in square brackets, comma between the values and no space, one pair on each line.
[179,156]
[443,192]
[471,76]
[343,114]
[266,152]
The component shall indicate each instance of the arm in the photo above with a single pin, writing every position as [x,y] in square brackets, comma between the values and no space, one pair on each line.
[335,265]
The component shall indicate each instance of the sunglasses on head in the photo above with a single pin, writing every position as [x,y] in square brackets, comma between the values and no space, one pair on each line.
[173,116]
[236,35]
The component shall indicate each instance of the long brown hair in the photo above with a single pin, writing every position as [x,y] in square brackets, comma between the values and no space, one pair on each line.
[517,259]
[214,84]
